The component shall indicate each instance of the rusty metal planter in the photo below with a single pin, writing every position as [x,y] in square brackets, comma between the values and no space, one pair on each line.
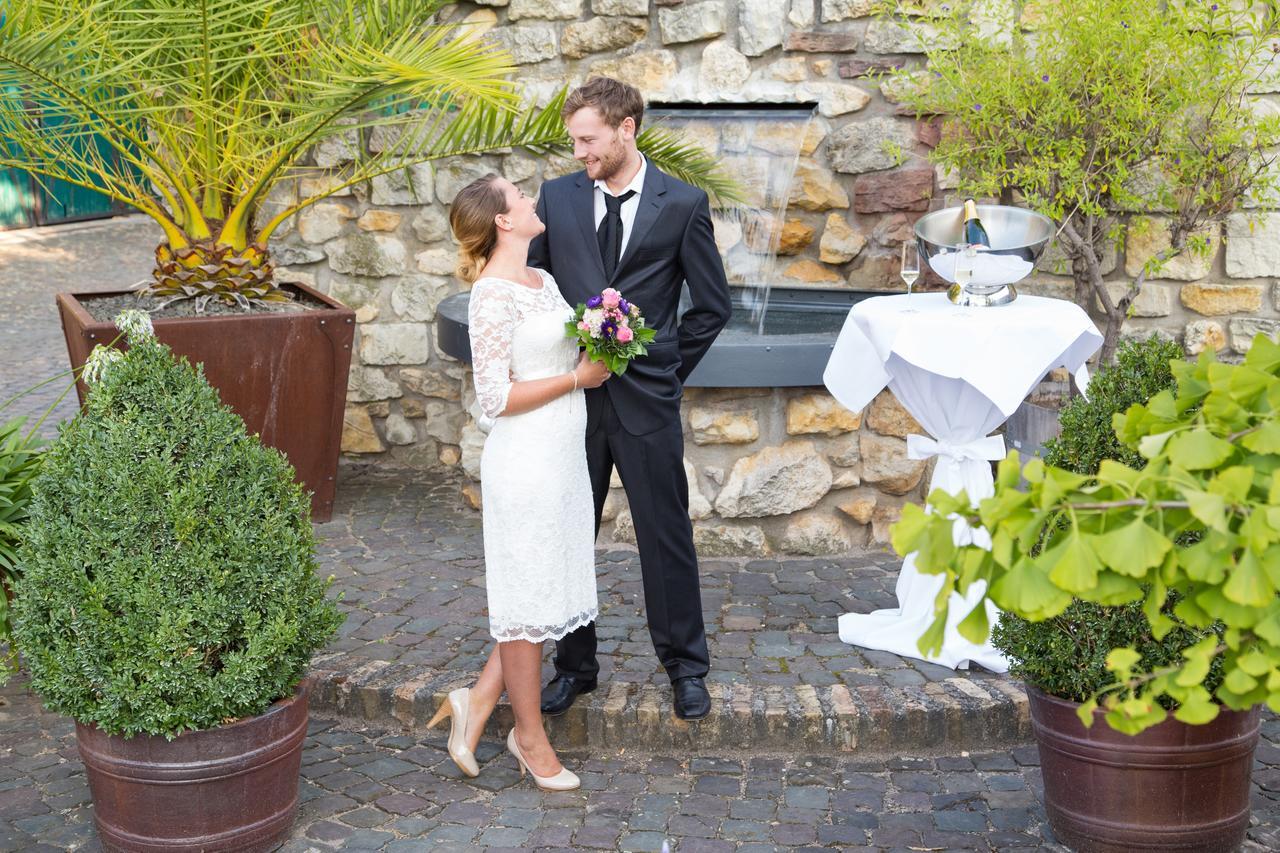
[285,374]
[233,788]
[1173,787]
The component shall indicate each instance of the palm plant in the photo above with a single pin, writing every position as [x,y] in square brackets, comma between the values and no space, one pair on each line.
[206,106]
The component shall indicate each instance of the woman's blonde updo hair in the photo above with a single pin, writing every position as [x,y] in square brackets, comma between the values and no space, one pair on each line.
[471,218]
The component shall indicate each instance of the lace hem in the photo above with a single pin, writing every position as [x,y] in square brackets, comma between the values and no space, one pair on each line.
[540,633]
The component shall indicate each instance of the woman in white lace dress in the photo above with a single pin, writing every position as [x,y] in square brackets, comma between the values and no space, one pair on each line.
[538,512]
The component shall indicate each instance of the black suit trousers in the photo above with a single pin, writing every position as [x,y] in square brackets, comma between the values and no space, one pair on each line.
[651,468]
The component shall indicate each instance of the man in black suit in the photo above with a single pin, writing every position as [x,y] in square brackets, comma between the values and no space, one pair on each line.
[622,223]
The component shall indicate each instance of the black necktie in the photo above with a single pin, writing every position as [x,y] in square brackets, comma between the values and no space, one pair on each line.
[609,234]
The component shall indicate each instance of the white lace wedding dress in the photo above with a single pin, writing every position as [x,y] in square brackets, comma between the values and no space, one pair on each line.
[538,512]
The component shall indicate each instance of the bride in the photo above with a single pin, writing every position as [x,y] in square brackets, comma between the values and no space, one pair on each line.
[537,506]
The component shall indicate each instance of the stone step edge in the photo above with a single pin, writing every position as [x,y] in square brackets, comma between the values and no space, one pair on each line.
[952,714]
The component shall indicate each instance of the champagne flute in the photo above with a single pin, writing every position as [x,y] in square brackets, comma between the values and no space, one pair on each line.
[910,268]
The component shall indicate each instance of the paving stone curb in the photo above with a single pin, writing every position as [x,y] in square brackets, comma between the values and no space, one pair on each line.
[950,715]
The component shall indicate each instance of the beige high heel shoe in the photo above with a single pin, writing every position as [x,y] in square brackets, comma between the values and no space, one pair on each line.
[562,781]
[455,706]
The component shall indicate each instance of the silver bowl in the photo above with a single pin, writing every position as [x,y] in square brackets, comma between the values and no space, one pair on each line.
[1018,239]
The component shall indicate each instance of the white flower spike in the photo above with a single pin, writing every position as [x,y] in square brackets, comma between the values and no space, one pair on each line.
[136,325]
[98,362]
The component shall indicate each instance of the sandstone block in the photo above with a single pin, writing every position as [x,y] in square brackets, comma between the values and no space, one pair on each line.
[816,188]
[721,540]
[820,414]
[908,188]
[870,146]
[371,255]
[358,434]
[549,10]
[1200,335]
[775,481]
[1253,251]
[693,22]
[366,384]
[600,34]
[887,417]
[815,534]
[1243,332]
[723,68]
[415,297]
[721,426]
[1147,236]
[394,343]
[885,464]
[432,383]
[760,25]
[840,241]
[323,221]
[379,220]
[1213,300]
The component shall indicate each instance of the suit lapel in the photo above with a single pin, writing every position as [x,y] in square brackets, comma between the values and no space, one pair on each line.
[651,204]
[584,208]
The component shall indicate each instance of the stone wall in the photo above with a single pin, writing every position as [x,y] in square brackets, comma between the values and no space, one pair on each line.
[770,470]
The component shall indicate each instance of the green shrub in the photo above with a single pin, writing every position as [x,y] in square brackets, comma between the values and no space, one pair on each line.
[1140,371]
[1066,655]
[168,575]
[19,462]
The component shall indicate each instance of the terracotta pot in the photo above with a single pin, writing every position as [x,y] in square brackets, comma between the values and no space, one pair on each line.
[1173,787]
[284,374]
[233,788]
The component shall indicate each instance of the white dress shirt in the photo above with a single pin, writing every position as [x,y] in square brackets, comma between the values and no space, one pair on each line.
[629,207]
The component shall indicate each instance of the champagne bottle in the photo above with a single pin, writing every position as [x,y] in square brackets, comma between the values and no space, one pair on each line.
[974,233]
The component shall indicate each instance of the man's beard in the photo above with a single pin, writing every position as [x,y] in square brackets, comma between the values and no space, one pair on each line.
[612,163]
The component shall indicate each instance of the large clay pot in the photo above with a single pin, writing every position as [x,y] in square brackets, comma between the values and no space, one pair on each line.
[283,373]
[233,788]
[1173,787]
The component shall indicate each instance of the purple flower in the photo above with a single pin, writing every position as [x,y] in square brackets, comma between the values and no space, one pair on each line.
[609,330]
[1044,78]
[594,302]
[624,306]
[1214,7]
[977,108]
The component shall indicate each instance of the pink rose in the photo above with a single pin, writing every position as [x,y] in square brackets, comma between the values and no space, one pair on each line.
[584,327]
[610,297]
[624,334]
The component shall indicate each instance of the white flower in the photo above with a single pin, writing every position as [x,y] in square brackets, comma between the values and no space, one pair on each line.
[98,362]
[136,325]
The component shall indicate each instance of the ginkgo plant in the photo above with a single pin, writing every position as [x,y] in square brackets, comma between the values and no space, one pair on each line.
[194,111]
[1212,452]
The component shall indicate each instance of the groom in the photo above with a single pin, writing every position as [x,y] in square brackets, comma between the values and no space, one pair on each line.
[622,223]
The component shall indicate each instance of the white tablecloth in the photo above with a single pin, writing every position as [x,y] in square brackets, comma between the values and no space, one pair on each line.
[961,372]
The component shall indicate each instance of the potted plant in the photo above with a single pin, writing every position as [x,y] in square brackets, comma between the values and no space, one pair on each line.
[1182,554]
[169,603]
[208,115]
[1077,111]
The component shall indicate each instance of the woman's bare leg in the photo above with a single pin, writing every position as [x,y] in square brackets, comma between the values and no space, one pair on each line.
[522,673]
[485,694]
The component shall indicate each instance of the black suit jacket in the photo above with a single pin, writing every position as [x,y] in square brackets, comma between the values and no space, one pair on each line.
[671,242]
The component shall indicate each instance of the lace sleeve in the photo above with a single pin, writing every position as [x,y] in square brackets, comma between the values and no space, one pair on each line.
[491,318]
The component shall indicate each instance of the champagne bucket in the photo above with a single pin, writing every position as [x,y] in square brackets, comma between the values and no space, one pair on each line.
[1018,239]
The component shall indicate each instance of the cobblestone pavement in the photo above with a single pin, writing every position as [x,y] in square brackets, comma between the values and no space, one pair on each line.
[34,265]
[374,789]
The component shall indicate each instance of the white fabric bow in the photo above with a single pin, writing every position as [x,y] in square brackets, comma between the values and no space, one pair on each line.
[990,448]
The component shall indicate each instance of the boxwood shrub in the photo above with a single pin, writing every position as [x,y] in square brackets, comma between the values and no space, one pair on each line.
[1066,656]
[168,581]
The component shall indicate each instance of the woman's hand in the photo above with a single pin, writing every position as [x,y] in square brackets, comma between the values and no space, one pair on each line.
[591,374]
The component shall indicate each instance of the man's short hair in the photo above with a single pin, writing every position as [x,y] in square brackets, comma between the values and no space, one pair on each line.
[613,99]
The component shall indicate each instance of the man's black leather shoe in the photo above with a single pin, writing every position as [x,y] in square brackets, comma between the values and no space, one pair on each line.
[558,695]
[691,700]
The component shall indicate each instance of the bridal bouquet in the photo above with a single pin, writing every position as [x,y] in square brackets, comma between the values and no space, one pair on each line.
[611,330]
